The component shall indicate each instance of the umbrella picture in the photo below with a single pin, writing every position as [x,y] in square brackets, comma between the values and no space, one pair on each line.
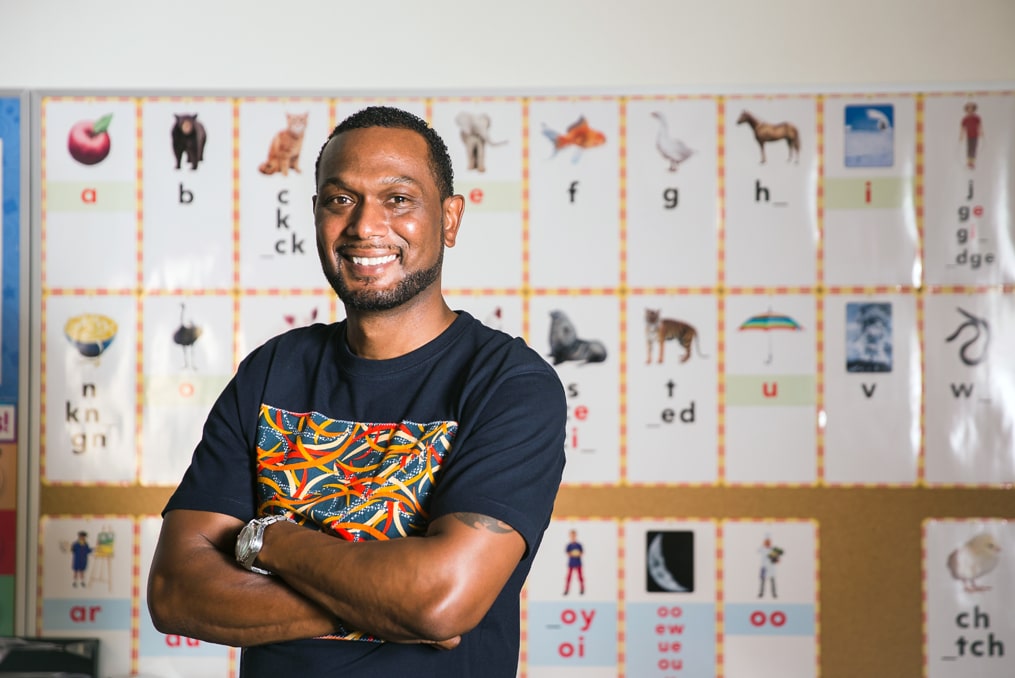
[769,322]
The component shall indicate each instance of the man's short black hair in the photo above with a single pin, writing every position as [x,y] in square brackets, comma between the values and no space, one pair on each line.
[388,116]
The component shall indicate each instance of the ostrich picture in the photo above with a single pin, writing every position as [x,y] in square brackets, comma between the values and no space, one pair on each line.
[186,335]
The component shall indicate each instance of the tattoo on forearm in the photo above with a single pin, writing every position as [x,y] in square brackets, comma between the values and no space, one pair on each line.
[481,522]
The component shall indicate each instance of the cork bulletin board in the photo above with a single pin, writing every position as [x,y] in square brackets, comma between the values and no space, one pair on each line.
[780,320]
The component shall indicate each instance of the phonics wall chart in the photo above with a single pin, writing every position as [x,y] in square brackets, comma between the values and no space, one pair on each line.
[776,295]
[676,576]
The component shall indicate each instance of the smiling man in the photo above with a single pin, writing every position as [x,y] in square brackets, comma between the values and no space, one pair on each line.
[368,496]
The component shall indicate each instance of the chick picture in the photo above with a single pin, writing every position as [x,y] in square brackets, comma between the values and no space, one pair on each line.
[974,559]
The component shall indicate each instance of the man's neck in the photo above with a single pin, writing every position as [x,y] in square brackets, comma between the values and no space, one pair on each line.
[384,335]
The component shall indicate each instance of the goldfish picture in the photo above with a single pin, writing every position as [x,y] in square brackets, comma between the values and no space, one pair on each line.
[579,134]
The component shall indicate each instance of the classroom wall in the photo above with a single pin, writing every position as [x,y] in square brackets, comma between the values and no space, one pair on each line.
[449,44]
[559,47]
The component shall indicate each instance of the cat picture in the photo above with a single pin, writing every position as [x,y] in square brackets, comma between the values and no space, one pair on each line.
[188,138]
[284,151]
[661,330]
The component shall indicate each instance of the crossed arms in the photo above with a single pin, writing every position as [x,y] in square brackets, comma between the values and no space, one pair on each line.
[428,589]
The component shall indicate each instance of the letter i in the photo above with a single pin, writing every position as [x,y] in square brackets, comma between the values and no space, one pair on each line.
[867,192]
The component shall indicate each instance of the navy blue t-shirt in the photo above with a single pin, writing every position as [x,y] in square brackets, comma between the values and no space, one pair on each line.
[375,449]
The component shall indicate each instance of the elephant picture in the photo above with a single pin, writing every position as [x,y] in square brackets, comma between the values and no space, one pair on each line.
[475,132]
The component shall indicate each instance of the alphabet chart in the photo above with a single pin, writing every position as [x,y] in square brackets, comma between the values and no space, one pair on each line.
[832,275]
[793,310]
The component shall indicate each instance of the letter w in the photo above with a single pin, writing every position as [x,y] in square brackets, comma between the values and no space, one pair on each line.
[962,389]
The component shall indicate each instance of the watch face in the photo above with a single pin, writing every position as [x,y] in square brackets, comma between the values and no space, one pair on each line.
[243,544]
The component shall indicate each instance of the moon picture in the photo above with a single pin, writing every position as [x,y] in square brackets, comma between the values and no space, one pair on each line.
[669,562]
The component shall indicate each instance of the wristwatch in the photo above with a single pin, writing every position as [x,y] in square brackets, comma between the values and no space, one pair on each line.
[250,540]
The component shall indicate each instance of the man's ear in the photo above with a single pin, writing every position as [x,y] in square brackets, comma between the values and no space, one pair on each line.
[452,218]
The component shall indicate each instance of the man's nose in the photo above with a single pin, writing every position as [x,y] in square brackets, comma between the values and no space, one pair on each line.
[368,220]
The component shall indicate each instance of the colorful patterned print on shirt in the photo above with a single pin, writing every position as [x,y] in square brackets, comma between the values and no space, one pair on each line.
[361,481]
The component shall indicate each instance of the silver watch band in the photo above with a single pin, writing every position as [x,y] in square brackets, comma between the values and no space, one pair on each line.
[246,553]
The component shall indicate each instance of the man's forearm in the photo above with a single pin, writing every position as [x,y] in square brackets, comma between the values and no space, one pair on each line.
[414,589]
[198,591]
[373,600]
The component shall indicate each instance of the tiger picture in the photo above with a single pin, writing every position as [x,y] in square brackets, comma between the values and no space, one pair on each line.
[660,330]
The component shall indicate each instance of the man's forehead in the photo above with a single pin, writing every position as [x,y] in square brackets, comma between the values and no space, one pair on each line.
[355,149]
[378,142]
[406,138]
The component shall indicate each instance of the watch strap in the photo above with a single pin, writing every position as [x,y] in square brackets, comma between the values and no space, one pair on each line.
[256,528]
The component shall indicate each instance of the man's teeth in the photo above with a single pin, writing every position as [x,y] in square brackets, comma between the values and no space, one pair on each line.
[373,261]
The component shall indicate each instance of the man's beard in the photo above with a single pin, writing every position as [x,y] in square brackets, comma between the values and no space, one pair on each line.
[385,300]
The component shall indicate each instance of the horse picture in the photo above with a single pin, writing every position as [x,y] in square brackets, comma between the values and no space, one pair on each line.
[765,132]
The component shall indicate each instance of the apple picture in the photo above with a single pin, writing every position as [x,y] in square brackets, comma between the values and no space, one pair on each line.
[88,141]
